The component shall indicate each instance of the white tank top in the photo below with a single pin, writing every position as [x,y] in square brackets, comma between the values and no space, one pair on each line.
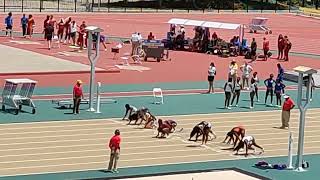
[228,87]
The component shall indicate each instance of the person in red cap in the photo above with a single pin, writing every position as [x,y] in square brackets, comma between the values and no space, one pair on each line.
[114,145]
[286,108]
[77,95]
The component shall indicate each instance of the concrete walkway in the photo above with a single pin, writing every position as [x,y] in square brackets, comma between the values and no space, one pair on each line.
[14,60]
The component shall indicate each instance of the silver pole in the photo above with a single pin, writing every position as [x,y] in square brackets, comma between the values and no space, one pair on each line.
[92,72]
[303,110]
[290,147]
[301,124]
[98,101]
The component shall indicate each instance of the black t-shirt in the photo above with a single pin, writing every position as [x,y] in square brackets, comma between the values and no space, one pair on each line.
[49,29]
[253,46]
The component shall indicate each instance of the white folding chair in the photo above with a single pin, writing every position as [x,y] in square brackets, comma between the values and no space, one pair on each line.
[116,50]
[55,42]
[125,60]
[158,96]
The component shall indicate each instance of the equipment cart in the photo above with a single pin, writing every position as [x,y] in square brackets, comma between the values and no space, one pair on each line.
[259,24]
[155,49]
[11,98]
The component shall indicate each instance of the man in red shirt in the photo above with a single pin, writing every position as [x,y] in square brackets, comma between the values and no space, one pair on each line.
[77,95]
[265,48]
[114,145]
[286,108]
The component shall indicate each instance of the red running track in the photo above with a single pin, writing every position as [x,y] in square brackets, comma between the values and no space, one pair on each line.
[185,66]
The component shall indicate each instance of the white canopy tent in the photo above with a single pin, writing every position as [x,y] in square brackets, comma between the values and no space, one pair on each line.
[209,24]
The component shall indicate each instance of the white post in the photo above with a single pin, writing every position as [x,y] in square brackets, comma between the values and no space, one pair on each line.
[92,72]
[303,110]
[93,59]
[98,98]
[290,147]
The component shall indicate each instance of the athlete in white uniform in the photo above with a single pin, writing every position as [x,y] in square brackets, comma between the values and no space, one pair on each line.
[129,110]
[247,142]
[206,131]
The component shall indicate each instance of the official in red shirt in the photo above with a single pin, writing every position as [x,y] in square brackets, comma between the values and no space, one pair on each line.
[114,145]
[77,95]
[286,108]
[150,36]
[266,48]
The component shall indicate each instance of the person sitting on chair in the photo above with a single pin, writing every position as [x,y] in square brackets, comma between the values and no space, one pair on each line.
[150,36]
[129,110]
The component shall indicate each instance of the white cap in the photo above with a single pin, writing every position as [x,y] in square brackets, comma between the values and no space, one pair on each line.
[286,96]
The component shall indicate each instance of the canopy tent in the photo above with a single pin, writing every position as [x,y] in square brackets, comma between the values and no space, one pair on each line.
[209,24]
[177,21]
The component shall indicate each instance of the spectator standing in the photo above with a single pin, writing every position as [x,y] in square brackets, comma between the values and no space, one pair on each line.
[9,24]
[269,85]
[60,27]
[52,22]
[279,90]
[73,32]
[77,96]
[67,27]
[233,71]
[280,46]
[280,72]
[253,91]
[49,33]
[246,71]
[266,48]
[286,108]
[253,49]
[31,25]
[81,38]
[236,91]
[256,81]
[211,74]
[24,25]
[114,145]
[287,47]
[45,24]
[134,43]
[227,91]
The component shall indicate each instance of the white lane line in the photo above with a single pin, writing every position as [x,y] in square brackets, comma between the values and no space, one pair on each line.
[119,121]
[89,150]
[142,129]
[235,114]
[144,159]
[75,140]
[103,164]
[105,155]
[151,95]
